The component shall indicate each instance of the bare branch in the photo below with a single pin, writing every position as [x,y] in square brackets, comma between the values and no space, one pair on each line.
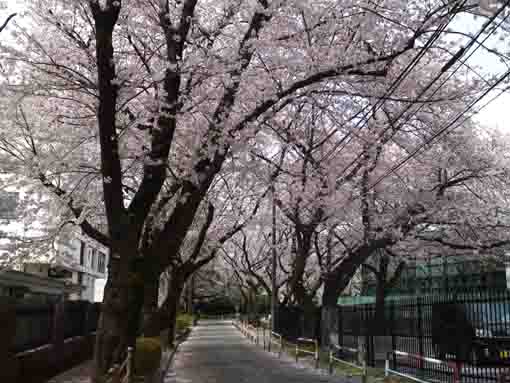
[9,18]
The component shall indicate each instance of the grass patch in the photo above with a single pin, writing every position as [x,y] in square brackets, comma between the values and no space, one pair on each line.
[183,322]
[396,379]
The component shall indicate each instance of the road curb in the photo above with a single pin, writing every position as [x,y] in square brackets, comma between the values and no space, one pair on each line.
[171,354]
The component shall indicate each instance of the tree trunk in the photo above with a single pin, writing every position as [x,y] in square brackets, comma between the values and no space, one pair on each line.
[329,330]
[171,305]
[380,318]
[328,315]
[120,312]
[380,295]
[151,319]
[299,265]
[189,303]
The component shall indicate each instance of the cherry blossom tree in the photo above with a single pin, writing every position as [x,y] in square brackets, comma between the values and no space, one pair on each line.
[238,201]
[136,107]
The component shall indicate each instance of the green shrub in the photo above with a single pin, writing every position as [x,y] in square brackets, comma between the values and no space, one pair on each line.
[183,322]
[147,355]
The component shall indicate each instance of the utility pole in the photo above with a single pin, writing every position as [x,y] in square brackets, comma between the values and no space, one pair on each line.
[274,295]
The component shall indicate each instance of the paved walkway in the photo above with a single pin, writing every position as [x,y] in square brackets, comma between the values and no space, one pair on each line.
[78,374]
[216,352]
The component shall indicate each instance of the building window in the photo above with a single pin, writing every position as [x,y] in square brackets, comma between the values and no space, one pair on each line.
[93,263]
[101,263]
[89,257]
[82,253]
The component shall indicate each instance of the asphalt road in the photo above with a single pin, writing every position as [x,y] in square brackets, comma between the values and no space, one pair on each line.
[216,352]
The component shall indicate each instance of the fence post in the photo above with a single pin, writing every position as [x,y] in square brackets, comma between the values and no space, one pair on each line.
[129,367]
[330,361]
[115,374]
[297,350]
[316,354]
[420,333]
[387,364]
[364,377]
[456,371]
[393,336]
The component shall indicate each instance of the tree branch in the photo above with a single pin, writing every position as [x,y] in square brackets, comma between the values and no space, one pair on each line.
[396,275]
[105,21]
[2,27]
[87,228]
[203,232]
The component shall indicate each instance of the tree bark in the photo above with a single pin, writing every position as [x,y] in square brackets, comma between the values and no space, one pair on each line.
[118,322]
[329,323]
[304,243]
[380,318]
[150,314]
[169,309]
[380,294]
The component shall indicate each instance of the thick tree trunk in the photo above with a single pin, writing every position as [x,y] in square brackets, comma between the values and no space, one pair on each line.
[189,296]
[170,307]
[173,309]
[150,314]
[380,295]
[328,316]
[380,319]
[329,329]
[298,270]
[120,313]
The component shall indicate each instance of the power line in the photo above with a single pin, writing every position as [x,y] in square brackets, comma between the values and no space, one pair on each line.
[447,66]
[411,65]
[446,128]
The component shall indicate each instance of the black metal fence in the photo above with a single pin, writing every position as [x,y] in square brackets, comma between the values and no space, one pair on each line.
[35,322]
[470,331]
[293,323]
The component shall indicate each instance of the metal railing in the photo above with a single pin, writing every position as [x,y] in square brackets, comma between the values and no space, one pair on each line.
[270,338]
[277,339]
[452,366]
[252,333]
[332,359]
[122,373]
[248,330]
[315,352]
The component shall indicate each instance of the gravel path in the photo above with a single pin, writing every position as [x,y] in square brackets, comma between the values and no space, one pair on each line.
[216,352]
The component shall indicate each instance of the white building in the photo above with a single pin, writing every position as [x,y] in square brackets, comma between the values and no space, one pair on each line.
[78,259]
[73,258]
